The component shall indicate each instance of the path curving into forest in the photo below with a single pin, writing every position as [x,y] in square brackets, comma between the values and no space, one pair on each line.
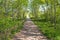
[30,31]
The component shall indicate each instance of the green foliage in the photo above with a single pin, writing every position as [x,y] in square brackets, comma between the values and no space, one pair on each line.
[9,27]
[13,11]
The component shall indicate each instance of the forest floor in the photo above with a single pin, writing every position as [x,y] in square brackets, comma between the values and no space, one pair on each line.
[30,31]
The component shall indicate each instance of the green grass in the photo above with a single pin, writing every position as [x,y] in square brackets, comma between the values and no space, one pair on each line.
[8,27]
[48,30]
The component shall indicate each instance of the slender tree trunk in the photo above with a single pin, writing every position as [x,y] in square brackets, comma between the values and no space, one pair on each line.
[47,10]
[55,14]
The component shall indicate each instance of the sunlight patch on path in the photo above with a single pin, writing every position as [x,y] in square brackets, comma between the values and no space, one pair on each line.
[27,16]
